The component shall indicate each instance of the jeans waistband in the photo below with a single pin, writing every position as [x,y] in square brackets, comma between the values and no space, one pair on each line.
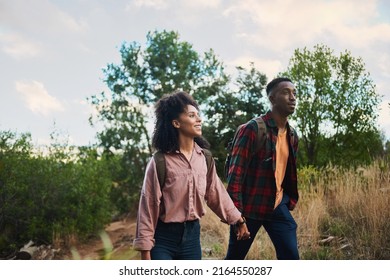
[177,226]
[177,223]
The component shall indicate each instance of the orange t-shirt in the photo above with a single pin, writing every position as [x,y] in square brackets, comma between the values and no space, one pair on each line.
[281,164]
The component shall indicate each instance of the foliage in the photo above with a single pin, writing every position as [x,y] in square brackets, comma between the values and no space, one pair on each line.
[308,176]
[337,107]
[49,198]
[228,109]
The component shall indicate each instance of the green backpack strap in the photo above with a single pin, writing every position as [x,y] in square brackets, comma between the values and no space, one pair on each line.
[159,158]
[293,134]
[261,134]
[209,159]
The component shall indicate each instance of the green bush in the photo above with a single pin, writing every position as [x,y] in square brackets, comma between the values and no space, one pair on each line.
[308,177]
[63,195]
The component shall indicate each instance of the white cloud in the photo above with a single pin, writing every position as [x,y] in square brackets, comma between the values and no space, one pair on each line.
[155,4]
[362,37]
[163,4]
[18,47]
[353,22]
[201,4]
[37,99]
[32,28]
[39,18]
[69,22]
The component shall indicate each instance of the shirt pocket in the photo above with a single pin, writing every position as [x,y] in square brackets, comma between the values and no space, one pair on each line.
[176,185]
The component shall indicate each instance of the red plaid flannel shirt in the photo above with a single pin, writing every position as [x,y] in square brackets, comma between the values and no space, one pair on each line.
[251,181]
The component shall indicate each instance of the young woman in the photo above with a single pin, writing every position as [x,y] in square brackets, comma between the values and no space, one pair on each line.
[168,216]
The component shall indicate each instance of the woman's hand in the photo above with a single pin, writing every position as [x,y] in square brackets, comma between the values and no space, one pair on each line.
[145,255]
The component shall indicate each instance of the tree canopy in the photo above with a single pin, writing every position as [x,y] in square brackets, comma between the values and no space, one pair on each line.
[337,107]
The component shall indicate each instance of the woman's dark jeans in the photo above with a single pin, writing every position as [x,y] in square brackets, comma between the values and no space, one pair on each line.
[177,241]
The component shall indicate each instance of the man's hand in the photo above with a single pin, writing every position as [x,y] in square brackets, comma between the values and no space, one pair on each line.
[242,230]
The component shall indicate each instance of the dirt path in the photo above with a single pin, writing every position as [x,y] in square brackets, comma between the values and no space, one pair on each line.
[117,239]
[114,243]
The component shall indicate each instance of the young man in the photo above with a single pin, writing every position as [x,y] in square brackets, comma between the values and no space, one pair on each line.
[263,186]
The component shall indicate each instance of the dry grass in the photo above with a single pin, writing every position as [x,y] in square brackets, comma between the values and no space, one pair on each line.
[341,214]
[214,236]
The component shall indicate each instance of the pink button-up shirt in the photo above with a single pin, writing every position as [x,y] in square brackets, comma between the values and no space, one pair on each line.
[187,187]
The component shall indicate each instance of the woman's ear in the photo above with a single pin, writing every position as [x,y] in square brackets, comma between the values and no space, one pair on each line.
[176,123]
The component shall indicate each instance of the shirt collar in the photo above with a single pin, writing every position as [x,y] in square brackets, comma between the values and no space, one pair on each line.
[271,122]
[197,149]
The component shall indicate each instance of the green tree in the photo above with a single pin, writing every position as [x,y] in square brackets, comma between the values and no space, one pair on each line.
[143,76]
[337,107]
[230,108]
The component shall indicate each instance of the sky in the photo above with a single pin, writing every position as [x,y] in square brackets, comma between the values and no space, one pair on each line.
[52,52]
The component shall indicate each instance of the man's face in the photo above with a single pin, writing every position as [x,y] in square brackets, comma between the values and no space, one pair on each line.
[283,98]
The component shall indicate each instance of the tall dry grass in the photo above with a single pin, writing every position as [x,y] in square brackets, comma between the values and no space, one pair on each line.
[341,214]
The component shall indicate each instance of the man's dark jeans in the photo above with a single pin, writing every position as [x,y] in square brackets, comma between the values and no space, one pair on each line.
[282,229]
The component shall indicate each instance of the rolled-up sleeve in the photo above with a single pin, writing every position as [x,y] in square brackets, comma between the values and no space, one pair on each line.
[148,209]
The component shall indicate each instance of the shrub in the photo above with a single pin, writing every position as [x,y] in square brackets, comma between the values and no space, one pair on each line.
[52,198]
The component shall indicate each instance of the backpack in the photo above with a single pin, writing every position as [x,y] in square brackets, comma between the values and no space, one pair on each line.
[260,140]
[159,158]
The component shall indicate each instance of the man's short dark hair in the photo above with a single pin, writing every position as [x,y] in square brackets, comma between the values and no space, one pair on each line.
[275,82]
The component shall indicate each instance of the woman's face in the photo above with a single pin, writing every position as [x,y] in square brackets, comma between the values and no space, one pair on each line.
[189,122]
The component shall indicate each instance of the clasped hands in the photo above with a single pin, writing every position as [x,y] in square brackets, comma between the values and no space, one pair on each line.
[242,230]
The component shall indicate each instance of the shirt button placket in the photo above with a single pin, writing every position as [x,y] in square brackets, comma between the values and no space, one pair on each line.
[191,197]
